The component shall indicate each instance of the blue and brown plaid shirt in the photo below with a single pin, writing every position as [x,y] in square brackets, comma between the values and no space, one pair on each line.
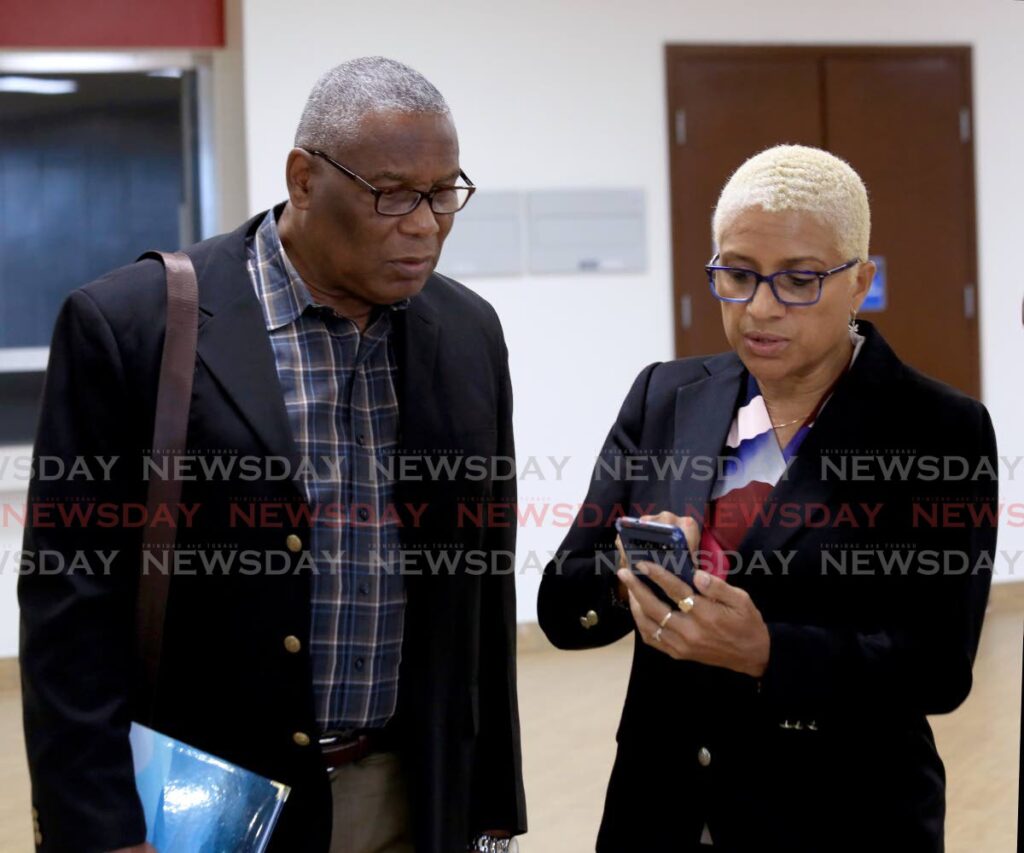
[339,392]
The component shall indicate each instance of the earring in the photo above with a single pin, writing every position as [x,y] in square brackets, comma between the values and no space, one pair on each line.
[853,321]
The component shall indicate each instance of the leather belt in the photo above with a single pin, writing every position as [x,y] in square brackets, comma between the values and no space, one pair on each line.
[341,748]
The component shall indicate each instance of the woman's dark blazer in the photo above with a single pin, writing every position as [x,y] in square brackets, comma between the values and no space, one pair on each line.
[872,626]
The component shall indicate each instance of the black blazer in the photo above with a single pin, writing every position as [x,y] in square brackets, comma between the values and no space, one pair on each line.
[830,750]
[227,682]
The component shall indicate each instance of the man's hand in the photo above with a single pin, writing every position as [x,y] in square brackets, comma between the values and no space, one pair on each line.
[724,628]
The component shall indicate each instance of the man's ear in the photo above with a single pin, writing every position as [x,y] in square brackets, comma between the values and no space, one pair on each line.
[865,275]
[298,176]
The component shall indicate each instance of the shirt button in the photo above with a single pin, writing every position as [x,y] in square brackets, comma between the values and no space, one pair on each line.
[364,588]
[361,440]
[364,514]
[703,756]
[293,543]
[301,739]
[292,643]
[359,664]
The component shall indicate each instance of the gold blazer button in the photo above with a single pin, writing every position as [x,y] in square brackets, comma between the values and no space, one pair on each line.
[294,543]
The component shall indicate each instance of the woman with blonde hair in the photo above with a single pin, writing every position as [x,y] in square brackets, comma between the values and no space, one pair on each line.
[781,705]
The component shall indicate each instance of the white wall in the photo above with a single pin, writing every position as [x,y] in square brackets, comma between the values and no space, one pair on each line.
[572,94]
[228,123]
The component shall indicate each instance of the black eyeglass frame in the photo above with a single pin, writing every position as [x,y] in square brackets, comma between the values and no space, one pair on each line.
[377,193]
[712,268]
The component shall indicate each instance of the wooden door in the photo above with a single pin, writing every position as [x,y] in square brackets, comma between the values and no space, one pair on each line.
[904,122]
[901,116]
[721,111]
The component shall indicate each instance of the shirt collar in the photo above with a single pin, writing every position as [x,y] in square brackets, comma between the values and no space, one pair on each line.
[283,293]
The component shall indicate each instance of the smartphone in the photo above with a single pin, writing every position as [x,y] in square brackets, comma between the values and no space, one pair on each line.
[659,543]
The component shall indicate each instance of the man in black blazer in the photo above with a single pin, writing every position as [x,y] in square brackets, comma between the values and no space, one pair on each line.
[237,672]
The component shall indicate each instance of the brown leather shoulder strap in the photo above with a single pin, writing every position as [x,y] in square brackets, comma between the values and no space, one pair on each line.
[174,396]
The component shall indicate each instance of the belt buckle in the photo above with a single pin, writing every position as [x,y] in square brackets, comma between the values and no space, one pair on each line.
[338,737]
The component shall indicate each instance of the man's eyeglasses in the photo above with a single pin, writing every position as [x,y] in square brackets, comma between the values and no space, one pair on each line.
[402,200]
[790,287]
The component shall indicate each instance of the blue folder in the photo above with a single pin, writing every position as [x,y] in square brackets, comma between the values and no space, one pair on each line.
[198,803]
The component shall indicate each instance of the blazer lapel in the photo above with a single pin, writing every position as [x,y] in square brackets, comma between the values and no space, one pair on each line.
[703,415]
[416,332]
[233,340]
[235,347]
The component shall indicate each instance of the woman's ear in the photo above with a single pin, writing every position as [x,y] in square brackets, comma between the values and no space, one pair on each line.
[862,284]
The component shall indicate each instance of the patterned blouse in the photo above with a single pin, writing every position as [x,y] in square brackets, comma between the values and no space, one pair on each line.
[753,462]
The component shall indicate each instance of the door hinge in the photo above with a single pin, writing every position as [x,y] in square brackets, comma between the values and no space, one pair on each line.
[965,124]
[970,301]
[680,127]
[685,311]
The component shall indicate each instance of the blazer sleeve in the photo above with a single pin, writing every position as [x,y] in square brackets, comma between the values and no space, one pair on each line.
[76,595]
[920,664]
[576,604]
[499,800]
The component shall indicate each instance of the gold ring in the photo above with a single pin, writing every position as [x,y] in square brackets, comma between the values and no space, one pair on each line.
[686,604]
[657,635]
[664,621]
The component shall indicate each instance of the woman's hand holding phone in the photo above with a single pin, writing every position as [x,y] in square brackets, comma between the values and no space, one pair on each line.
[720,627]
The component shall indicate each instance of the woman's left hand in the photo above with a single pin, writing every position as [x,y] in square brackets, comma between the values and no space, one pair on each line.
[723,628]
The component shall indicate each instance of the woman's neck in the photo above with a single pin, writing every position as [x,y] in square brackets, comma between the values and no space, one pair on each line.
[797,396]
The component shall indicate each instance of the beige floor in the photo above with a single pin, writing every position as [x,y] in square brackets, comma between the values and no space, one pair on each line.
[570,704]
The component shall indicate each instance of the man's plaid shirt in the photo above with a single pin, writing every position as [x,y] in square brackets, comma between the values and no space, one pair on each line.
[339,392]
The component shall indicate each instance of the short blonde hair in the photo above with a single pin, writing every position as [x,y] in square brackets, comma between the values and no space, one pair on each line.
[798,177]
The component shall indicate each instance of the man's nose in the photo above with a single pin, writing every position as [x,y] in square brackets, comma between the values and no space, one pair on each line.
[421,221]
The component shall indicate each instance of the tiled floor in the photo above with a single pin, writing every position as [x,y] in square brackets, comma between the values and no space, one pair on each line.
[570,704]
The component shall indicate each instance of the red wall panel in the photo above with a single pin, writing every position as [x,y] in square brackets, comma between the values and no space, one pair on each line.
[111,23]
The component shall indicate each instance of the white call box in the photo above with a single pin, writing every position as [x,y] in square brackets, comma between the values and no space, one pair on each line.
[572,231]
[486,237]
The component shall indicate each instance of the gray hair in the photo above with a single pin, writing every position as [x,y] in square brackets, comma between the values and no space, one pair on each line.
[346,94]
